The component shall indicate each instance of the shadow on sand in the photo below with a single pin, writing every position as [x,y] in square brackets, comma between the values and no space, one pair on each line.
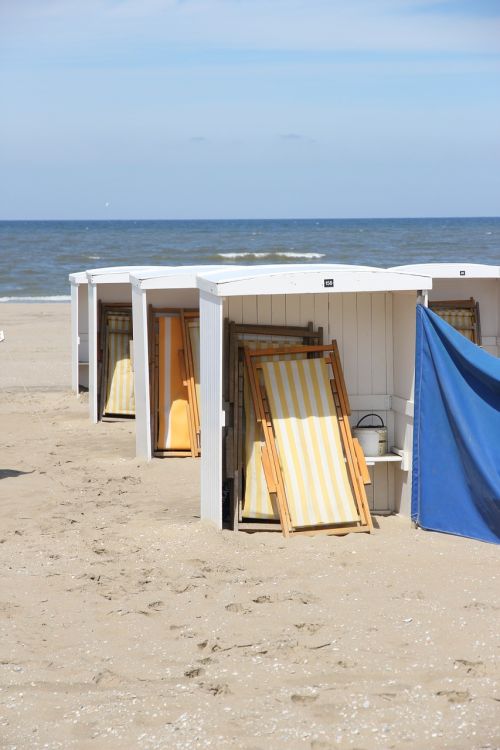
[6,473]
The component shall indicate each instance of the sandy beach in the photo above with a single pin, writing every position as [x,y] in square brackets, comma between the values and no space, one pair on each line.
[125,622]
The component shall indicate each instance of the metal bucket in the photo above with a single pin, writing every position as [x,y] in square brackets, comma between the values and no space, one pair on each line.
[373,439]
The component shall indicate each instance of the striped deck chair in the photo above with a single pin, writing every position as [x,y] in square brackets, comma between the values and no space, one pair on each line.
[172,425]
[463,315]
[242,457]
[118,374]
[192,350]
[256,500]
[312,464]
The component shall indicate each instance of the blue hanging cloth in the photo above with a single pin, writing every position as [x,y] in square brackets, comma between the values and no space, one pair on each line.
[456,440]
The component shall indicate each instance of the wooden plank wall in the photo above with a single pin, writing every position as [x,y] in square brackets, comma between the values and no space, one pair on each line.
[362,326]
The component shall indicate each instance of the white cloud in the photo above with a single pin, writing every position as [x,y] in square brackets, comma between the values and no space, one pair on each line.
[301,25]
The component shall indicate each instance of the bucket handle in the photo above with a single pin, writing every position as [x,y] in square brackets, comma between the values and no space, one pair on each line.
[371,415]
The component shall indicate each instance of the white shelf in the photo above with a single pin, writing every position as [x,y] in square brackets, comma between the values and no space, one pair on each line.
[385,459]
[83,364]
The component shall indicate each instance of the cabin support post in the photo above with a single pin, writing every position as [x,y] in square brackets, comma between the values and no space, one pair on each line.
[74,338]
[141,374]
[93,354]
[212,416]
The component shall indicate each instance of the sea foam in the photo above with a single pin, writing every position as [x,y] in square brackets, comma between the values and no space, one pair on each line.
[54,298]
[234,256]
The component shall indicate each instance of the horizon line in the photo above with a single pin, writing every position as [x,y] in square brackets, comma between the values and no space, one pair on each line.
[256,218]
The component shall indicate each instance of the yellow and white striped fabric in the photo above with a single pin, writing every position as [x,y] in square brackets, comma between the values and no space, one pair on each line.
[307,433]
[257,503]
[193,327]
[173,422]
[119,374]
[461,319]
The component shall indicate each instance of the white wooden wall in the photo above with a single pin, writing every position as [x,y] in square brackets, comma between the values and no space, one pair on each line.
[188,298]
[404,323]
[212,419]
[362,324]
[484,291]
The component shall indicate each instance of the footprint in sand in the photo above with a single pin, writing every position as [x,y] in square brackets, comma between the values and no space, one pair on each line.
[106,678]
[215,688]
[481,606]
[472,668]
[455,696]
[309,627]
[238,608]
[303,698]
[194,672]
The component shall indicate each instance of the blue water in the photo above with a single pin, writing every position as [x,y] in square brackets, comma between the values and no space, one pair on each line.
[37,256]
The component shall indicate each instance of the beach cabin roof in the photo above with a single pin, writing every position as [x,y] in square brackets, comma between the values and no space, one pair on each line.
[80,277]
[174,277]
[116,274]
[308,278]
[451,270]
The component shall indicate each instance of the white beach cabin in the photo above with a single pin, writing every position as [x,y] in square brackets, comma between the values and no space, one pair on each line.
[79,331]
[461,281]
[371,314]
[105,285]
[174,287]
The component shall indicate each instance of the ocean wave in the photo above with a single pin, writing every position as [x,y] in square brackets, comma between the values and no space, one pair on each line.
[53,298]
[235,256]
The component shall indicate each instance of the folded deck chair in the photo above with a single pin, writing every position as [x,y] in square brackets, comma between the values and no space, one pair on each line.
[118,377]
[463,315]
[256,499]
[172,423]
[191,322]
[311,462]
[250,504]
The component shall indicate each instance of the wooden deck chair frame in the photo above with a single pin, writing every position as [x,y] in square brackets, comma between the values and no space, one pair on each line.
[103,309]
[187,372]
[467,305]
[234,454]
[187,316]
[355,461]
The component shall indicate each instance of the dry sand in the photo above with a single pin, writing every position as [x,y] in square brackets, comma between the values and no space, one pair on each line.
[127,623]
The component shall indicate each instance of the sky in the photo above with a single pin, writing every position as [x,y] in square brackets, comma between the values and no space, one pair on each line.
[186,109]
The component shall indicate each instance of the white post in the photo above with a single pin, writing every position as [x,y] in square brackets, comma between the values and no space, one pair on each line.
[74,338]
[141,375]
[212,418]
[93,384]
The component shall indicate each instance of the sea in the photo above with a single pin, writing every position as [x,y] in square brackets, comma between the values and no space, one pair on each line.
[37,256]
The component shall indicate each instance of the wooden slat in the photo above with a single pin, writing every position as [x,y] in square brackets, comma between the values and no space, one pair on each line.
[350,341]
[365,474]
[378,344]
[364,342]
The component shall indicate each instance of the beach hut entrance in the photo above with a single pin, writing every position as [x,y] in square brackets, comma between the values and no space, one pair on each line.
[250,507]
[117,375]
[462,314]
[175,381]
